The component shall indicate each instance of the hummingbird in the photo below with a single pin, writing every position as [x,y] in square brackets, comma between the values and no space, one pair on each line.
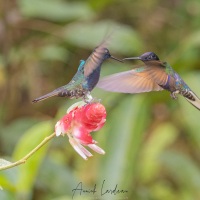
[86,77]
[155,75]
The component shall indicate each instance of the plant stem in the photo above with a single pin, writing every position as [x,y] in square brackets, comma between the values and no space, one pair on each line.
[26,157]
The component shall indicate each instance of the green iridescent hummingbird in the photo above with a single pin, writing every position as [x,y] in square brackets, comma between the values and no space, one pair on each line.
[154,76]
[86,77]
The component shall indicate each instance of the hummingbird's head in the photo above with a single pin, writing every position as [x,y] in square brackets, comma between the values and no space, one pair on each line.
[148,56]
[104,53]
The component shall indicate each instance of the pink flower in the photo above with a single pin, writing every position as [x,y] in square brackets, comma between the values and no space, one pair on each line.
[80,120]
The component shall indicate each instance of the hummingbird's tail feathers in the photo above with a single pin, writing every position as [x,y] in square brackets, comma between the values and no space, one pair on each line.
[46,96]
[128,82]
[61,92]
[192,98]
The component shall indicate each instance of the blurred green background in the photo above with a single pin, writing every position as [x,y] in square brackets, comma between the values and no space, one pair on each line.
[152,142]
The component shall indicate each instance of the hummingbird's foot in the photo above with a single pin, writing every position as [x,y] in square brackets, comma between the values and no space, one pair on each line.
[96,100]
[88,98]
[173,95]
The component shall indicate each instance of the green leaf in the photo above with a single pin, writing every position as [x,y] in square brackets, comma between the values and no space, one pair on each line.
[63,198]
[4,195]
[192,41]
[190,114]
[162,190]
[124,134]
[182,169]
[123,40]
[162,136]
[52,52]
[4,162]
[8,179]
[80,197]
[55,10]
[13,131]
[187,53]
[60,176]
[29,170]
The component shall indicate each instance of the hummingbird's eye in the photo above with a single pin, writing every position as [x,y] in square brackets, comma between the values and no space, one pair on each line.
[149,57]
[106,51]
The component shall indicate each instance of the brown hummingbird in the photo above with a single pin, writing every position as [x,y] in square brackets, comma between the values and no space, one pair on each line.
[155,75]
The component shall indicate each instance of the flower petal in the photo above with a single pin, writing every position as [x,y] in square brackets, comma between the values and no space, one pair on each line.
[93,116]
[81,119]
[82,134]
[83,152]
[66,122]
[96,112]
[75,106]
[96,148]
[78,150]
[100,125]
[58,129]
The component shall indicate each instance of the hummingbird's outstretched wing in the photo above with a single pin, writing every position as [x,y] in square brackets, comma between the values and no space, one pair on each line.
[192,98]
[143,79]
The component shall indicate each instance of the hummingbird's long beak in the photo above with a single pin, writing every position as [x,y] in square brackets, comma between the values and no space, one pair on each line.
[116,59]
[132,58]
